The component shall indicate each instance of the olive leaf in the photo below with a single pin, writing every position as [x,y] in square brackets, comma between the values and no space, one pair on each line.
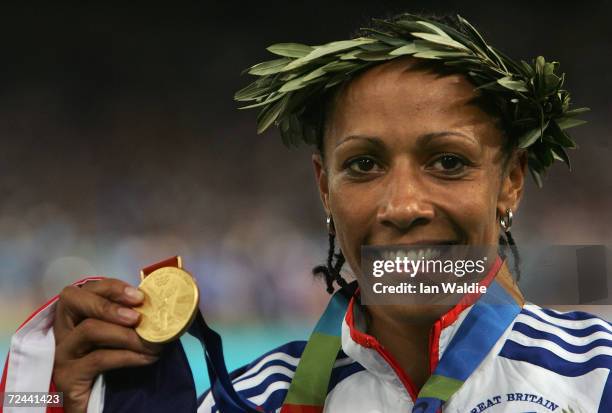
[269,67]
[269,114]
[290,49]
[444,41]
[404,50]
[559,154]
[327,49]
[530,137]
[577,111]
[566,123]
[511,84]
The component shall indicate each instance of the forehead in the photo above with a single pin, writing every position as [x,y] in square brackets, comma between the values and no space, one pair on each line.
[403,98]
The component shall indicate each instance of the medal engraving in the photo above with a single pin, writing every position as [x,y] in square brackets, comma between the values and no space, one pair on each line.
[170,304]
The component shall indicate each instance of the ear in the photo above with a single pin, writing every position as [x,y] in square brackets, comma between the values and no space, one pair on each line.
[511,189]
[322,180]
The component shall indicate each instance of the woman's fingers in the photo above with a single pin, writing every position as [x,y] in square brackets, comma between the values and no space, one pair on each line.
[80,302]
[115,290]
[77,304]
[93,334]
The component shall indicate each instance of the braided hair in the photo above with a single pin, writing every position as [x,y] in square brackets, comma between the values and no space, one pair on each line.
[331,271]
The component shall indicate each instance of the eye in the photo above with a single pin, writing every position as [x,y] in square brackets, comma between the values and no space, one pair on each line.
[449,163]
[361,165]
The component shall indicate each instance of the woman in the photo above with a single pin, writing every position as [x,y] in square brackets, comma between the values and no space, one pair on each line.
[409,153]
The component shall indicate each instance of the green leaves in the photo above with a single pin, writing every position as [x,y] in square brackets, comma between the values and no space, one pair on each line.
[408,49]
[516,85]
[290,49]
[433,28]
[269,114]
[540,63]
[441,40]
[560,155]
[559,136]
[566,123]
[328,49]
[577,111]
[529,96]
[302,81]
[530,137]
[269,67]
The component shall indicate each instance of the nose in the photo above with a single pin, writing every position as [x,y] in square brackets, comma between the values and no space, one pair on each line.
[406,202]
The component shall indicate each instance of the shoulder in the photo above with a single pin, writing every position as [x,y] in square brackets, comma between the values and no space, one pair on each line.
[568,343]
[265,381]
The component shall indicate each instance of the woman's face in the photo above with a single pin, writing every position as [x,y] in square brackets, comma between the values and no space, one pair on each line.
[410,160]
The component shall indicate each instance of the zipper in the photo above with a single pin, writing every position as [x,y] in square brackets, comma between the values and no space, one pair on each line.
[434,336]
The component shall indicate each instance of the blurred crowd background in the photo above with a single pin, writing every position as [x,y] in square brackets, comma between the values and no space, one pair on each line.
[121,145]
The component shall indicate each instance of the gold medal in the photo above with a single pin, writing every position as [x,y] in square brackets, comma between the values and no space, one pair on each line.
[170,304]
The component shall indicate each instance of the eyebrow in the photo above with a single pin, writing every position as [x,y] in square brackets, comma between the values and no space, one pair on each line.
[421,140]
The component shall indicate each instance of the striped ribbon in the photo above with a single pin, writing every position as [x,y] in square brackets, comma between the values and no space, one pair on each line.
[308,388]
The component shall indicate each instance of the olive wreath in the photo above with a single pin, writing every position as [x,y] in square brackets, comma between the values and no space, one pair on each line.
[530,96]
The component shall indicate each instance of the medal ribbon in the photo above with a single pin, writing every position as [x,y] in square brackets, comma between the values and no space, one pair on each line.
[309,385]
[223,391]
[476,336]
[308,388]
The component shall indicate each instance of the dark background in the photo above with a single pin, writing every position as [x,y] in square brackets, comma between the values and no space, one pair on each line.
[121,143]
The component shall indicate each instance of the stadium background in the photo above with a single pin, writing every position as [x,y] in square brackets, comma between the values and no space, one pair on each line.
[121,145]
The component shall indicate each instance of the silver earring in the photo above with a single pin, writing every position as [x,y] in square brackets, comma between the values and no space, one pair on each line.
[506,220]
[330,225]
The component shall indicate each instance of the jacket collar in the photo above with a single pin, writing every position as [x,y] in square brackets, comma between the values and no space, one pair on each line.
[367,351]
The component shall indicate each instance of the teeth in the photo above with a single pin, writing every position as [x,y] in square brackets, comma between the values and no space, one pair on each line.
[412,254]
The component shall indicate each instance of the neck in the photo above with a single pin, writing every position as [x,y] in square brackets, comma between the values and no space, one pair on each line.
[405,337]
[404,331]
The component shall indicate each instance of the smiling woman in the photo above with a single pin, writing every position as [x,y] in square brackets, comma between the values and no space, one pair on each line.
[411,159]
[423,134]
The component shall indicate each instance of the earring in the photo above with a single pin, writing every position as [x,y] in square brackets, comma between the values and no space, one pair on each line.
[506,220]
[330,225]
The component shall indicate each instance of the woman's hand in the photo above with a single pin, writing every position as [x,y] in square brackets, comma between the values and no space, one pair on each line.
[94,332]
